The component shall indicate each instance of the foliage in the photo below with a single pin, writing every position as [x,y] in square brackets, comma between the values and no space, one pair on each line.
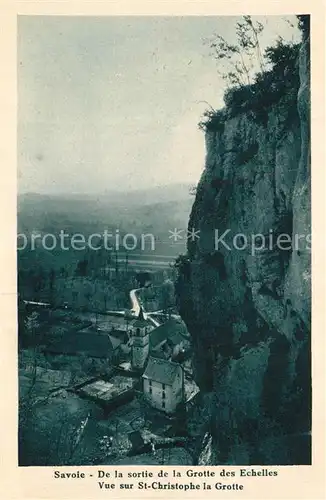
[81,269]
[277,82]
[212,120]
[51,441]
[235,61]
[270,86]
[182,265]
[193,189]
[277,85]
[281,55]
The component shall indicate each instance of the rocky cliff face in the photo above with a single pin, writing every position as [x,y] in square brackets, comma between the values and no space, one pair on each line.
[246,297]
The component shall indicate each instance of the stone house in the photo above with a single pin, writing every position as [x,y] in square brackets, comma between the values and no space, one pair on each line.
[163,384]
[168,340]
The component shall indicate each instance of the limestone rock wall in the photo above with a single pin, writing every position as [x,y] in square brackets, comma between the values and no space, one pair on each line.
[249,313]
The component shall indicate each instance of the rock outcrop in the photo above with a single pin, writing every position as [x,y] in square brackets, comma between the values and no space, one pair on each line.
[246,298]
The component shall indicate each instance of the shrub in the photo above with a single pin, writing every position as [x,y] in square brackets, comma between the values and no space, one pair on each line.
[236,98]
[278,85]
[234,60]
[182,264]
[282,55]
[212,121]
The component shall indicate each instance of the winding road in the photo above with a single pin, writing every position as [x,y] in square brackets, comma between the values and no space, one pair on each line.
[135,307]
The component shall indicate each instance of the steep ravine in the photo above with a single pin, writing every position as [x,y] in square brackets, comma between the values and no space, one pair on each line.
[249,315]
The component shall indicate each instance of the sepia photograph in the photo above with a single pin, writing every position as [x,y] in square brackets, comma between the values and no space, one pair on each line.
[164,240]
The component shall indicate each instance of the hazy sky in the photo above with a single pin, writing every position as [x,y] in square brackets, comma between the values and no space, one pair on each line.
[113,103]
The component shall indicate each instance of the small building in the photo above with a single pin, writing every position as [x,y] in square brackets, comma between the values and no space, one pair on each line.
[168,340]
[113,393]
[163,384]
[88,343]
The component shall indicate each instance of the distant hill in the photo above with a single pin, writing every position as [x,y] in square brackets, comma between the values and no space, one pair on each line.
[157,194]
[155,210]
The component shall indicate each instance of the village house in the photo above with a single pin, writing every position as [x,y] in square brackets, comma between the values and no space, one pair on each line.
[163,384]
[169,340]
[87,342]
[118,390]
[152,355]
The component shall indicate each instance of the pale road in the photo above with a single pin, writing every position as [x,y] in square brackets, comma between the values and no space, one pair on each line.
[134,301]
[135,307]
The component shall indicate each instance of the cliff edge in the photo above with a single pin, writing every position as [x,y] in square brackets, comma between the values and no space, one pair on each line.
[245,298]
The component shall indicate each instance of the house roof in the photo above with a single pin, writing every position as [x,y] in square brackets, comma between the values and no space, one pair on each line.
[176,338]
[110,322]
[91,344]
[161,370]
[120,335]
[160,352]
[171,330]
[157,336]
[116,342]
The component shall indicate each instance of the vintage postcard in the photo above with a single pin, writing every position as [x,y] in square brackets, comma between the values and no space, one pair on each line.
[163,291]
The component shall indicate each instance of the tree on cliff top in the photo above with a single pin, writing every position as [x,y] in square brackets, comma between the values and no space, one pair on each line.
[236,60]
[239,62]
[255,79]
